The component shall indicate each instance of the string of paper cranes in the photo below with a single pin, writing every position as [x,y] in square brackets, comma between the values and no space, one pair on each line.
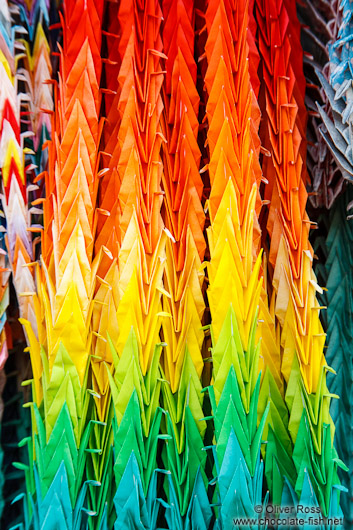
[176,261]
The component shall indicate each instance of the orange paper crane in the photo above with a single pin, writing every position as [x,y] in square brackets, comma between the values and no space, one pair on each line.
[127,310]
[129,223]
[183,212]
[234,116]
[283,132]
[76,135]
[236,295]
[142,255]
[129,218]
[108,214]
[71,186]
[183,302]
[65,279]
[294,283]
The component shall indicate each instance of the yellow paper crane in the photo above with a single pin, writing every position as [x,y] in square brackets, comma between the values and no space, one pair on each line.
[235,175]
[183,213]
[114,312]
[288,225]
[66,278]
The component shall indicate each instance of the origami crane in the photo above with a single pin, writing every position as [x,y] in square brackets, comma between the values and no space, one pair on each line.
[322,22]
[59,349]
[11,163]
[335,271]
[154,179]
[338,93]
[290,255]
[234,239]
